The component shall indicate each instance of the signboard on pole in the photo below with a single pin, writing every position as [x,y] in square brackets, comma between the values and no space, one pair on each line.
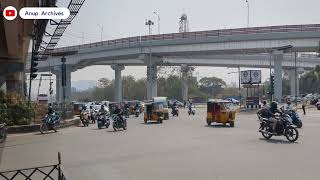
[255,76]
[251,77]
[245,77]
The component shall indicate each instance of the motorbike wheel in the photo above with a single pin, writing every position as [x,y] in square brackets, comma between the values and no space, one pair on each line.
[3,136]
[209,123]
[43,128]
[125,125]
[292,134]
[231,123]
[115,129]
[189,113]
[299,125]
[267,129]
[161,121]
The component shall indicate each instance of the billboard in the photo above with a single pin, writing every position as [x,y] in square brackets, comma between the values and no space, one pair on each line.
[251,77]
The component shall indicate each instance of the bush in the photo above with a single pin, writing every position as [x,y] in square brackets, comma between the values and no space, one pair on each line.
[15,114]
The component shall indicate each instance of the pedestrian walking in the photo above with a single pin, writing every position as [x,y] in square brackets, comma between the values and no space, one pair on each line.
[304,103]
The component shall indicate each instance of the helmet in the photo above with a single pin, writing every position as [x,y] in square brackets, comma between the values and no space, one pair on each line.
[264,102]
[274,105]
[102,106]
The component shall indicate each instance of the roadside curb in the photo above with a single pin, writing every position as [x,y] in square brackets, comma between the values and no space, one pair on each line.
[36,127]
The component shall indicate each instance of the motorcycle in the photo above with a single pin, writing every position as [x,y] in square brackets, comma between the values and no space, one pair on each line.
[284,128]
[137,112]
[118,123]
[50,122]
[126,112]
[85,118]
[3,133]
[295,118]
[191,111]
[175,111]
[103,121]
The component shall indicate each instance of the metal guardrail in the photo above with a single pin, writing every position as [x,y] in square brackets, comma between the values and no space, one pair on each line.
[51,172]
[197,35]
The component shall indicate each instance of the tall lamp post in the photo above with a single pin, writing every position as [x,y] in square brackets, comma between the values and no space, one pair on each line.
[239,73]
[248,15]
[101,30]
[149,23]
[158,15]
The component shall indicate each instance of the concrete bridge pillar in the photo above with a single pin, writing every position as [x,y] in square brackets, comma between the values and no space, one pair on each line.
[59,88]
[278,71]
[184,78]
[292,79]
[152,85]
[117,82]
[15,83]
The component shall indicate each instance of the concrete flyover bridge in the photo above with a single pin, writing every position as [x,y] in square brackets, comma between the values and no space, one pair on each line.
[245,47]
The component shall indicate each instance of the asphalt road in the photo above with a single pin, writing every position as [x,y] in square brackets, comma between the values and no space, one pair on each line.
[180,148]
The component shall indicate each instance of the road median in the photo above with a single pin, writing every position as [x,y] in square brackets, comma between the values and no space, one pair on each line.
[36,127]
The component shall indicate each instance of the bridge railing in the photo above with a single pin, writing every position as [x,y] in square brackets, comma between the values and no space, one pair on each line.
[197,35]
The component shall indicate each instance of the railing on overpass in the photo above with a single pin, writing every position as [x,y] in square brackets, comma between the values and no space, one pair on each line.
[198,35]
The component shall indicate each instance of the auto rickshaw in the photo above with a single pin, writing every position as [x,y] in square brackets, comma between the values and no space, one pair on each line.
[219,111]
[154,111]
[77,108]
[164,102]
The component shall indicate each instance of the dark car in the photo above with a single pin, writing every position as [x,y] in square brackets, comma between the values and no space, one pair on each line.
[171,101]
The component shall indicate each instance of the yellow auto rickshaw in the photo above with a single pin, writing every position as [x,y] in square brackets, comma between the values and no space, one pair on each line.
[77,108]
[154,111]
[220,111]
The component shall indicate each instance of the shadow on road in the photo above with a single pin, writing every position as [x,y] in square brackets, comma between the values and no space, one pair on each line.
[46,133]
[150,123]
[277,141]
[218,126]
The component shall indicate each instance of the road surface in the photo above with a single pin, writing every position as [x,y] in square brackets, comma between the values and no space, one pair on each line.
[180,148]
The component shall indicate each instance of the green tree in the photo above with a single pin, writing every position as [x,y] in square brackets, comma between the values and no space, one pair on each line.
[310,82]
[211,85]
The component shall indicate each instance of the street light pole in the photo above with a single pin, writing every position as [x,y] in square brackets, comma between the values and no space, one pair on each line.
[239,73]
[295,78]
[158,15]
[149,23]
[101,30]
[248,15]
[240,96]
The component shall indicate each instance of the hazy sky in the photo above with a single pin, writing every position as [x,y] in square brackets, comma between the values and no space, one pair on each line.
[123,18]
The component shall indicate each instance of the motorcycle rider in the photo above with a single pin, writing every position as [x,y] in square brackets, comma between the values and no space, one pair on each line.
[137,107]
[269,113]
[288,107]
[119,112]
[190,106]
[102,110]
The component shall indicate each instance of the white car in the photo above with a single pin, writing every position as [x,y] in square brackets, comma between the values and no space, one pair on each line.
[234,101]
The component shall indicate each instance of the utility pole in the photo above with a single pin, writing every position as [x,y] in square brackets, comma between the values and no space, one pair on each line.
[101,30]
[295,79]
[240,96]
[248,13]
[158,15]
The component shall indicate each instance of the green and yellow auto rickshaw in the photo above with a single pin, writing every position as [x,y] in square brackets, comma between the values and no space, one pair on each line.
[154,111]
[219,111]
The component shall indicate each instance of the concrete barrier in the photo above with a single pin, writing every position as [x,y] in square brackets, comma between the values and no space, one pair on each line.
[36,127]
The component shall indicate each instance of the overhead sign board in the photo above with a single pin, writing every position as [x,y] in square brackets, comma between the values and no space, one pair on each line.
[251,77]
